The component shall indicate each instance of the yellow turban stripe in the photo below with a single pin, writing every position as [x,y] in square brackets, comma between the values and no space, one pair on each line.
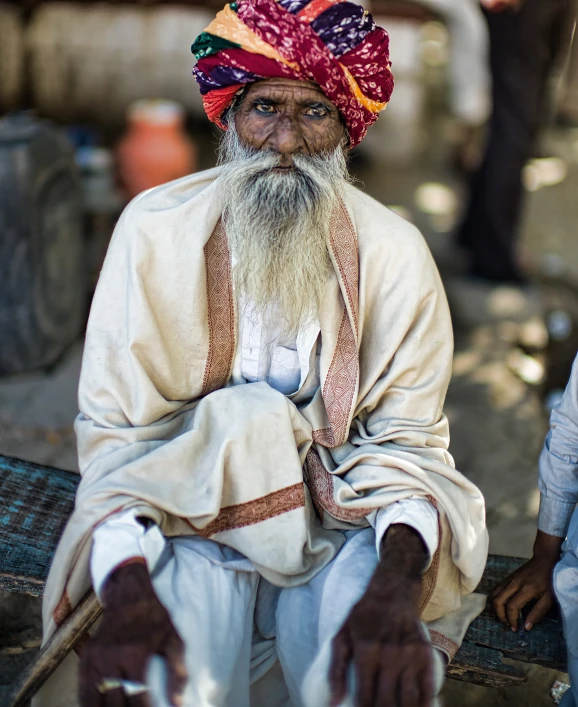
[228,26]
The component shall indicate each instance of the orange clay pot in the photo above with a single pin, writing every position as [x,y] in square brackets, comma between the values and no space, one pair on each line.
[155,148]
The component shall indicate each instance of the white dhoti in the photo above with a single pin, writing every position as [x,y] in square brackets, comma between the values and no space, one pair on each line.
[238,629]
[248,643]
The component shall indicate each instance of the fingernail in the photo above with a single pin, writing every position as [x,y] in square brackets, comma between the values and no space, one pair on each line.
[529,626]
[512,629]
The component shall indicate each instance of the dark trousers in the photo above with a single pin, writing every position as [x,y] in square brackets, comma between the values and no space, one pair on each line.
[524,47]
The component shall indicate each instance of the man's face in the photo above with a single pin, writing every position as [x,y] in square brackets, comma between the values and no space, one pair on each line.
[288,117]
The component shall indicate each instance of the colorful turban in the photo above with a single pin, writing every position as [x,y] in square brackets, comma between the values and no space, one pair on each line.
[334,43]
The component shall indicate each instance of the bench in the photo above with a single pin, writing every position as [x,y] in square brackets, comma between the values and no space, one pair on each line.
[35,502]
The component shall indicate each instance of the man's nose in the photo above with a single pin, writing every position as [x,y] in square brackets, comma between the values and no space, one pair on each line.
[286,139]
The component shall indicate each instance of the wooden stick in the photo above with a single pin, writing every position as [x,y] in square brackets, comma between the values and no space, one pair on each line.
[54,652]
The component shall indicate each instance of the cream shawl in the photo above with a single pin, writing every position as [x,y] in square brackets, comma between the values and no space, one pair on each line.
[162,429]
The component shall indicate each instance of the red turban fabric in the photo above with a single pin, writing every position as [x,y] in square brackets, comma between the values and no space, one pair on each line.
[336,44]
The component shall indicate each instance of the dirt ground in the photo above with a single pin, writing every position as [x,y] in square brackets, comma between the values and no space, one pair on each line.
[498,420]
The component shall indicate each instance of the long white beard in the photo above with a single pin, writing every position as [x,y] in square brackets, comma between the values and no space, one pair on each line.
[278,225]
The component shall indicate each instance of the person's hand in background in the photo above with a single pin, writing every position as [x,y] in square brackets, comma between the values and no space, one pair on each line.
[532,581]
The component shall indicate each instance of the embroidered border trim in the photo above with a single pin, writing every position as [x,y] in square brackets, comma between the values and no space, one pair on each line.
[339,388]
[430,578]
[221,311]
[320,485]
[343,240]
[256,511]
[439,640]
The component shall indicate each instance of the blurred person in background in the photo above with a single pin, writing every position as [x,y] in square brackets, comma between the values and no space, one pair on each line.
[527,37]
[470,71]
[266,483]
[546,575]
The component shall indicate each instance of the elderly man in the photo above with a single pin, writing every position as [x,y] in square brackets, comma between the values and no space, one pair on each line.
[268,511]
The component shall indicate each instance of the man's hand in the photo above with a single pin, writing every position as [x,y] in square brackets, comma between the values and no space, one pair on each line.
[134,627]
[383,635]
[531,581]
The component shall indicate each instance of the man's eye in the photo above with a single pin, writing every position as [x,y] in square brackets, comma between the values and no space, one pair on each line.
[317,111]
[264,108]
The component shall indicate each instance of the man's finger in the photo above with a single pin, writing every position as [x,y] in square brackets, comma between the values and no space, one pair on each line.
[115,698]
[501,599]
[517,603]
[366,659]
[542,607]
[138,677]
[386,680]
[174,653]
[408,688]
[141,700]
[340,659]
[88,680]
[89,696]
[426,681]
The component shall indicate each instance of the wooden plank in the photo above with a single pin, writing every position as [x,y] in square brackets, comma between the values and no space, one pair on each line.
[487,641]
[483,666]
[35,503]
[543,645]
